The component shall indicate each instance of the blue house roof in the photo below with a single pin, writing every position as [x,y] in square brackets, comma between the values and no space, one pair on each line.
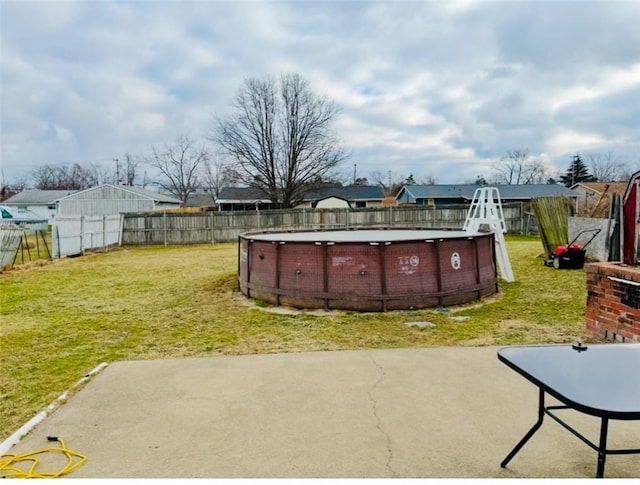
[465,192]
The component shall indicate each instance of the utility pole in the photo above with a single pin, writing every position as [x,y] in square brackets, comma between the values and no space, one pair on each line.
[117,171]
[354,173]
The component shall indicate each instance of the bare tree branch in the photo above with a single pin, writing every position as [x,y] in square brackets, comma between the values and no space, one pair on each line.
[131,165]
[390,181]
[280,137]
[518,167]
[216,175]
[606,167]
[63,177]
[179,165]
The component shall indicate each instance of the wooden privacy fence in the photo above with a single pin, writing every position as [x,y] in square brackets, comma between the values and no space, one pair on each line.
[75,234]
[220,227]
[10,237]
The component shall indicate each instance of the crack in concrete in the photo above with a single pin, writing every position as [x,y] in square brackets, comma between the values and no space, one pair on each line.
[378,421]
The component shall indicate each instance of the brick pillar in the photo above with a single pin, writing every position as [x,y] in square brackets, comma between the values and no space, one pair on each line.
[613,301]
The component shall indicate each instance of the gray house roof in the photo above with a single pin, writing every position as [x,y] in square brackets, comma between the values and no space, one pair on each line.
[241,194]
[199,200]
[350,193]
[136,190]
[465,192]
[37,197]
[155,195]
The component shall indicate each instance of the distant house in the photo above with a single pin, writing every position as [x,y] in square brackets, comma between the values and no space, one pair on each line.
[250,198]
[27,220]
[202,200]
[41,204]
[109,199]
[357,196]
[593,198]
[242,198]
[436,195]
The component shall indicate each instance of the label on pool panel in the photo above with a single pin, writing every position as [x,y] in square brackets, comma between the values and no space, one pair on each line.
[342,261]
[408,264]
[456,261]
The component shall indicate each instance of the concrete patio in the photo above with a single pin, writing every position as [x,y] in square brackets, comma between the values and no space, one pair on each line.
[401,413]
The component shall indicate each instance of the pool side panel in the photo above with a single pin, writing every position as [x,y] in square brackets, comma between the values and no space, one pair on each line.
[368,276]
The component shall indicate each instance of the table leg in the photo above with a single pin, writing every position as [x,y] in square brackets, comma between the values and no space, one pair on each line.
[531,432]
[602,449]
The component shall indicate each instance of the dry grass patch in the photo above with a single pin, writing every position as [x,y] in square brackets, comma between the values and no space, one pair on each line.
[60,320]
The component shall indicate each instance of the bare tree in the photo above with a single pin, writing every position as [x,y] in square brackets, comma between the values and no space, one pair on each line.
[44,177]
[517,167]
[8,189]
[429,180]
[63,177]
[131,165]
[280,137]
[179,165]
[391,182]
[101,173]
[629,169]
[216,175]
[606,167]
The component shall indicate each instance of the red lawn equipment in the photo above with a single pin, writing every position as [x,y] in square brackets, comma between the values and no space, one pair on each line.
[572,255]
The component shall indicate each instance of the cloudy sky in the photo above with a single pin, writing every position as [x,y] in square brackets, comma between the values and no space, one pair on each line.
[435,89]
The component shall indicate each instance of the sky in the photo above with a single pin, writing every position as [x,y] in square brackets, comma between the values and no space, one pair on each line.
[439,90]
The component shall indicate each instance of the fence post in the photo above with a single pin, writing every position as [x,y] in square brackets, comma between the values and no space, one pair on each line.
[213,236]
[82,234]
[120,229]
[164,220]
[56,249]
[104,231]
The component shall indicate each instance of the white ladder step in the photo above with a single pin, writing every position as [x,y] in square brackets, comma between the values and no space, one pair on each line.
[486,209]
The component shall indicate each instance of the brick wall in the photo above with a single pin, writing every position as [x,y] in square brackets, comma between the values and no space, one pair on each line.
[613,302]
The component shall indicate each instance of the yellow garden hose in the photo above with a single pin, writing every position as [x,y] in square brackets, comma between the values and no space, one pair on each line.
[8,462]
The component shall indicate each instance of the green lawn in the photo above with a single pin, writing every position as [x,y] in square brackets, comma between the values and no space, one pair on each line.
[61,319]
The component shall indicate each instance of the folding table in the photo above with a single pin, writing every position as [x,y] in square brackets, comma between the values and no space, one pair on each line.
[601,380]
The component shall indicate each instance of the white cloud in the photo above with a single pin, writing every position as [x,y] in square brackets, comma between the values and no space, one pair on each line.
[443,88]
[569,141]
[604,82]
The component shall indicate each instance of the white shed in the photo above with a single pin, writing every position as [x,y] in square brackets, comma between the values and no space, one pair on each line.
[332,202]
[109,199]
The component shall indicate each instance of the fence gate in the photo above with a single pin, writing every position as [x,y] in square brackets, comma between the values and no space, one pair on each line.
[74,234]
[10,237]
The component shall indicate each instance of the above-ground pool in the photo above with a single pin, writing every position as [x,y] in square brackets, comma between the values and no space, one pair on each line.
[367,269]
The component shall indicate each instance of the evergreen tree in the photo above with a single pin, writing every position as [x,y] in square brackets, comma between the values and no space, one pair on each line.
[576,173]
[410,180]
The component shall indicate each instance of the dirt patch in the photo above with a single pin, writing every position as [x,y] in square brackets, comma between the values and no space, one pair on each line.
[511,329]
[247,302]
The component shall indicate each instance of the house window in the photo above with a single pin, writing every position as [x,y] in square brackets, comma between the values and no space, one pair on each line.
[431,203]
[361,204]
